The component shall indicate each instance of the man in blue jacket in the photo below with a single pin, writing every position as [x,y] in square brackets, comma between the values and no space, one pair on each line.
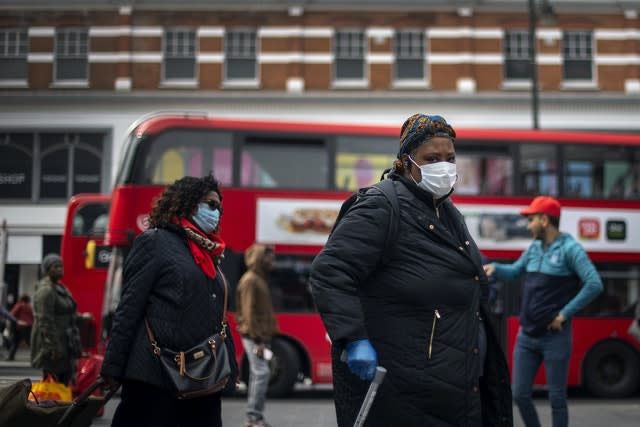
[554,268]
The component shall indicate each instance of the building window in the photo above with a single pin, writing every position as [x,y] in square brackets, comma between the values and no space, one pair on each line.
[70,163]
[180,54]
[71,61]
[14,46]
[349,55]
[16,165]
[516,55]
[36,166]
[240,52]
[577,52]
[409,50]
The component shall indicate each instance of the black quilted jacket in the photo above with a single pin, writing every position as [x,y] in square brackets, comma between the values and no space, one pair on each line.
[420,309]
[183,306]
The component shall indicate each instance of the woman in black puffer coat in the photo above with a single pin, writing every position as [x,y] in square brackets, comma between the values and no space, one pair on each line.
[421,312]
[171,279]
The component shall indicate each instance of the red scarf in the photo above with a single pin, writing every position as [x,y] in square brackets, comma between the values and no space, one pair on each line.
[204,258]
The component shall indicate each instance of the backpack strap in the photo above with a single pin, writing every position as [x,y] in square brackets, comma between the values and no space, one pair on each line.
[388,189]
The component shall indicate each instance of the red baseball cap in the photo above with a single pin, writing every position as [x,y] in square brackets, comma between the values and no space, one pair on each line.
[543,205]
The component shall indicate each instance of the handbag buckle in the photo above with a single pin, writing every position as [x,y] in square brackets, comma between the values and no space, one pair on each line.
[223,332]
[156,349]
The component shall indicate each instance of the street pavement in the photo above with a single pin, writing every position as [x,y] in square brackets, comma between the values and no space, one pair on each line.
[312,406]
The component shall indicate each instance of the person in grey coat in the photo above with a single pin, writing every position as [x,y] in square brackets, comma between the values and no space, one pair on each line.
[55,342]
[421,313]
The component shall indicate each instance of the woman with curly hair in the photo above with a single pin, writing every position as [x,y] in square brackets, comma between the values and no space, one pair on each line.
[172,282]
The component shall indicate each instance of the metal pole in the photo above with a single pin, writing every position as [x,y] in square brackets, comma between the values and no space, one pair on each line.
[532,64]
[370,397]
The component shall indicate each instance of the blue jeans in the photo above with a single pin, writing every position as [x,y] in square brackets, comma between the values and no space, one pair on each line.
[259,374]
[554,350]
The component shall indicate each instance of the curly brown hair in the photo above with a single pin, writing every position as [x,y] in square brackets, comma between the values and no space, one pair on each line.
[181,198]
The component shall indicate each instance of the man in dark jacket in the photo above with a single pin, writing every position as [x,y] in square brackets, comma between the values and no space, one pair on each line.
[420,313]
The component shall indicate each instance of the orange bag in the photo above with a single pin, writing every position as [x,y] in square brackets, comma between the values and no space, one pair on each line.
[49,389]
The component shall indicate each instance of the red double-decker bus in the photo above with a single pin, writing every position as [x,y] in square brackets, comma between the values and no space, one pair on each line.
[283,184]
[86,259]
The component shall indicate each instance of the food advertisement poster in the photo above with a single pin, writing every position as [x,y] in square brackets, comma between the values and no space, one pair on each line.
[295,221]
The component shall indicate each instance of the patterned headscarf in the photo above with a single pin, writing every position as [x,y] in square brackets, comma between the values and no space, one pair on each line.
[421,127]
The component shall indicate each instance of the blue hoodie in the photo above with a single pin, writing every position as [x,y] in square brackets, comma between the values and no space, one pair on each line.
[552,282]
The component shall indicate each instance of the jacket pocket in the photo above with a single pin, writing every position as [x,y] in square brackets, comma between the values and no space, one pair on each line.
[436,316]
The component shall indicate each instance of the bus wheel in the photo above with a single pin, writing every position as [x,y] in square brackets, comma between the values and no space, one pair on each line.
[285,366]
[612,369]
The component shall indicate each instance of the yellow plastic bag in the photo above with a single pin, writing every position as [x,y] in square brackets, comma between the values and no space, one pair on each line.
[49,389]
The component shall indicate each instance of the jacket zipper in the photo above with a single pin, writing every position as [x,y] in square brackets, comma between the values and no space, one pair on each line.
[436,316]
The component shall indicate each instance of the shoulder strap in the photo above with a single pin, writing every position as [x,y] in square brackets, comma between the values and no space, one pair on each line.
[387,187]
[223,331]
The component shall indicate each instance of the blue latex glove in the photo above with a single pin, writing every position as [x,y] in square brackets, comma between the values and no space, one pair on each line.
[362,359]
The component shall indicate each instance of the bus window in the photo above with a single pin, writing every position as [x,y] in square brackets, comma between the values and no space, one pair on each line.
[90,220]
[288,281]
[270,162]
[488,174]
[538,169]
[583,169]
[360,160]
[621,172]
[179,152]
[621,286]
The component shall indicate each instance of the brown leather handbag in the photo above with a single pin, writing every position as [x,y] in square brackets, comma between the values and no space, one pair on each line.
[201,370]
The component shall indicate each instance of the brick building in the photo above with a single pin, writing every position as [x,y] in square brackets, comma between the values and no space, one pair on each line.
[74,74]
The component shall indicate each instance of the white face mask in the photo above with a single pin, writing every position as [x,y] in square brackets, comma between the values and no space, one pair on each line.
[437,178]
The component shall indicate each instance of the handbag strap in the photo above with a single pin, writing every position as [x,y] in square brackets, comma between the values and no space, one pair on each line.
[223,331]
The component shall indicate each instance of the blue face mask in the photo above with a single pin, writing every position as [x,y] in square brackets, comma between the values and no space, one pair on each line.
[206,218]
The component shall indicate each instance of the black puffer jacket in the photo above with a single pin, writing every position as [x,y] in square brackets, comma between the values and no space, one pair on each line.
[433,362]
[183,306]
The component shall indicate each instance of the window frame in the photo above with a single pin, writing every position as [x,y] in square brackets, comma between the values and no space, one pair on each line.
[190,36]
[69,56]
[241,48]
[343,51]
[411,55]
[20,51]
[578,46]
[73,140]
[522,53]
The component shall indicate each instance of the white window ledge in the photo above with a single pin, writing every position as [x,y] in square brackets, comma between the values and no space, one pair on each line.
[516,85]
[63,84]
[411,84]
[350,84]
[241,84]
[179,84]
[578,85]
[14,83]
